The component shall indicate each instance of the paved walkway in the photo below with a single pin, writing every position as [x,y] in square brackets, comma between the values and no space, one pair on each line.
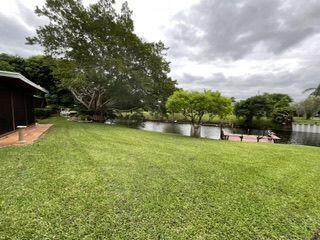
[32,134]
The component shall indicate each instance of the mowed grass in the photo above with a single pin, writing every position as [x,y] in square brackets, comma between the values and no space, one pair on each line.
[302,120]
[92,181]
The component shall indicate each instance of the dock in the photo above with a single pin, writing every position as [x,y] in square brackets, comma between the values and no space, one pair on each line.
[249,138]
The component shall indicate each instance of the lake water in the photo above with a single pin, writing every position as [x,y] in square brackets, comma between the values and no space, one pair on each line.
[301,133]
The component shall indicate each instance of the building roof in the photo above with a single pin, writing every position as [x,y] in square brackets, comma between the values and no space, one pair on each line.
[16,75]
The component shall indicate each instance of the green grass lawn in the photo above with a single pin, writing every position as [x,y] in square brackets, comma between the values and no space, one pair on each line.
[92,181]
[303,120]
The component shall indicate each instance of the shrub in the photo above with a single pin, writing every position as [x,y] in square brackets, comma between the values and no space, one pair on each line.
[282,115]
[42,113]
[137,116]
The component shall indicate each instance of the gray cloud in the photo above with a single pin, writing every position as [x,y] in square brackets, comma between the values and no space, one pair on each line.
[228,34]
[13,32]
[292,83]
[234,28]
[29,17]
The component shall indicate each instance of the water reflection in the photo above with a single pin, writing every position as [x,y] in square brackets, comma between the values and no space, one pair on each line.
[183,129]
[300,134]
[304,138]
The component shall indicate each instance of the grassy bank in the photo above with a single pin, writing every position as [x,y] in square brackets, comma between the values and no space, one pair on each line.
[302,120]
[91,181]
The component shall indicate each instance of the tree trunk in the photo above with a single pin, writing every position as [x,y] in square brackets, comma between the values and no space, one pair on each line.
[222,137]
[308,115]
[248,122]
[195,130]
[98,117]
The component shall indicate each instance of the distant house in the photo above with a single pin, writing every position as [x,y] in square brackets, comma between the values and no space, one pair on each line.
[17,99]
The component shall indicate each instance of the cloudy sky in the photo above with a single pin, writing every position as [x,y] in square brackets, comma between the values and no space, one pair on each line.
[239,47]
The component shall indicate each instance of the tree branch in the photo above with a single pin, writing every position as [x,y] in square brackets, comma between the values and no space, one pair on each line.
[79,98]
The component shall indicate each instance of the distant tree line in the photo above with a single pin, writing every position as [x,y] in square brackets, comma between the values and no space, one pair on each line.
[310,106]
[278,107]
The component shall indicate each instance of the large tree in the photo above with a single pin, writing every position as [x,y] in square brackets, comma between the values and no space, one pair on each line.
[256,106]
[266,105]
[194,105]
[108,65]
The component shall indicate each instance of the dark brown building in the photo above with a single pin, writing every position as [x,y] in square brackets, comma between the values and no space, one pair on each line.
[16,101]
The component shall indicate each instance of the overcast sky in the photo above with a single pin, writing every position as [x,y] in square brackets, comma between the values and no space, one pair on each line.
[239,47]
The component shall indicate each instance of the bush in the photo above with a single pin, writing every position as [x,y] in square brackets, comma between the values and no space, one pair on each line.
[55,109]
[135,116]
[42,113]
[282,115]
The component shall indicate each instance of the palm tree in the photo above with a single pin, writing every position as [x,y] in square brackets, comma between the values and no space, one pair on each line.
[315,91]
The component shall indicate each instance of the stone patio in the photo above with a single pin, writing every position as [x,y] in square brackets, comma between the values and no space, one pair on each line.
[32,134]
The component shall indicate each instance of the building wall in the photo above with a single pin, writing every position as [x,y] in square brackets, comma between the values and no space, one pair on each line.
[6,121]
[16,108]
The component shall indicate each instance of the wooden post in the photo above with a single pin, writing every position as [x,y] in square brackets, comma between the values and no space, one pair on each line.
[21,130]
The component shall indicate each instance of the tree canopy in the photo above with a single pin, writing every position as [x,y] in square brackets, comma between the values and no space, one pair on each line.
[12,63]
[193,105]
[104,63]
[308,107]
[266,105]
